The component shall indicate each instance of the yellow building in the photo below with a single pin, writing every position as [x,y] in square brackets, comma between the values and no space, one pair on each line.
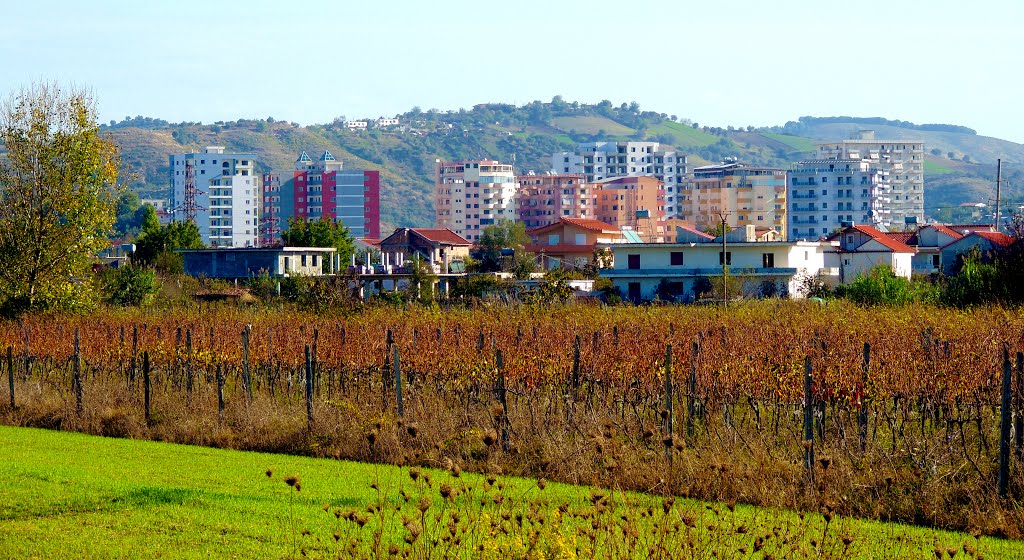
[743,195]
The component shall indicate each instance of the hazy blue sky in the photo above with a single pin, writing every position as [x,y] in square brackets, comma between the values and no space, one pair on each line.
[717,62]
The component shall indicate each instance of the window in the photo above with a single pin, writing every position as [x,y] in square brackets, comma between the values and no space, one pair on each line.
[768,260]
[633,262]
[727,260]
[676,258]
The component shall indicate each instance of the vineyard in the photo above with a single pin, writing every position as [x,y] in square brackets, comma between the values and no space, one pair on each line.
[895,414]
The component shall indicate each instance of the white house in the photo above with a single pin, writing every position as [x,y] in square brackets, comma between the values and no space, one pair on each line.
[684,269]
[856,249]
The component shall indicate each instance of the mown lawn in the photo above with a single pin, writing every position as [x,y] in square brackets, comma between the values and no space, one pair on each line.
[67,495]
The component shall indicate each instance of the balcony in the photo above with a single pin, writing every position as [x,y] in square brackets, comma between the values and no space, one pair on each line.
[680,272]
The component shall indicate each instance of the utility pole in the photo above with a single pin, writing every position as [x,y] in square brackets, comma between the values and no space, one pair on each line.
[999,179]
[725,263]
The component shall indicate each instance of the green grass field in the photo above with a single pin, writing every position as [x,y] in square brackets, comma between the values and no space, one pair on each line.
[798,143]
[931,167]
[68,495]
[686,136]
[591,125]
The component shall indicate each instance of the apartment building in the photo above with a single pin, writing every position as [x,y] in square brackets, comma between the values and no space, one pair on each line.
[823,194]
[543,199]
[742,194]
[220,192]
[598,161]
[322,188]
[902,159]
[471,195]
[633,203]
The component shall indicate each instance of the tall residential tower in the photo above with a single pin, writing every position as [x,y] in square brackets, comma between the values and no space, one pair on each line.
[902,159]
[471,195]
[220,192]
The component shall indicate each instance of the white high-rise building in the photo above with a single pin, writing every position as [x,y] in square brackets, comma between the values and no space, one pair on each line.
[902,159]
[598,161]
[225,202]
[825,193]
[471,195]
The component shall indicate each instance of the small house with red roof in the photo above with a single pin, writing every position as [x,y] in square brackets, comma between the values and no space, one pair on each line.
[856,249]
[437,246]
[570,242]
[928,241]
[989,243]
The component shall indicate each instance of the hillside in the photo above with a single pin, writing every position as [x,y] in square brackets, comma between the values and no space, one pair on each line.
[959,165]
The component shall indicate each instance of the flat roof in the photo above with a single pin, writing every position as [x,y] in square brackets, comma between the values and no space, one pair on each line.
[259,250]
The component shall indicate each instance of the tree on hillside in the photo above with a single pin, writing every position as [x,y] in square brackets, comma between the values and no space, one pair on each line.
[58,192]
[320,233]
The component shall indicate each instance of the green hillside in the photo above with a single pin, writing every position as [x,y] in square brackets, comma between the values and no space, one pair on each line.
[959,167]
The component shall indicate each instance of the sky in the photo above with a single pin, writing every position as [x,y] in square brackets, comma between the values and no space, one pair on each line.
[718,63]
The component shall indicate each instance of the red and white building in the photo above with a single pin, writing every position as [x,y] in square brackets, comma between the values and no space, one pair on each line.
[322,189]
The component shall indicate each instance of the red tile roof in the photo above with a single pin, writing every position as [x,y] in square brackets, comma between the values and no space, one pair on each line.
[946,230]
[997,238]
[960,228]
[888,242]
[905,237]
[440,235]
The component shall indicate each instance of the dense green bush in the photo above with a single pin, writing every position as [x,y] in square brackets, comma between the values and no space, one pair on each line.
[881,286]
[129,285]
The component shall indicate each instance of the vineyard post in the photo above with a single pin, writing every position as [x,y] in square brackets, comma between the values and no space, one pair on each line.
[808,420]
[220,394]
[1004,428]
[669,416]
[146,387]
[246,375]
[1018,427]
[500,359]
[691,390]
[397,363]
[862,415]
[77,379]
[10,373]
[309,391]
[316,369]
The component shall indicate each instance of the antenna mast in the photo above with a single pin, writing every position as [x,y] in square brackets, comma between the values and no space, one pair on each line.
[190,206]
